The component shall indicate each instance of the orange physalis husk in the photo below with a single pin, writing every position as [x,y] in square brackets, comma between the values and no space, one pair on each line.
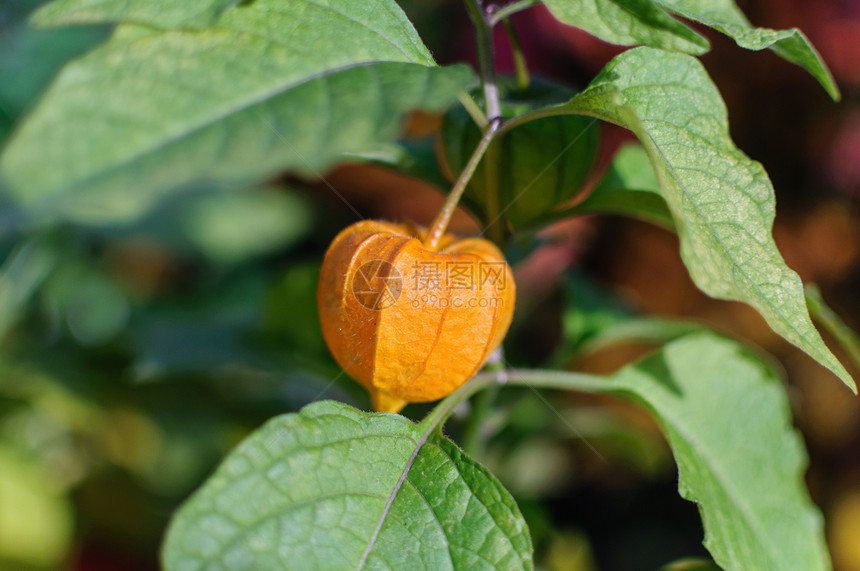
[409,323]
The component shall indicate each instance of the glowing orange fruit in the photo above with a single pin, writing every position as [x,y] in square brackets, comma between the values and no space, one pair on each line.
[409,323]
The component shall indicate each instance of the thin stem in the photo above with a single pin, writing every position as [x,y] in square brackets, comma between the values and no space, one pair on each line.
[510,9]
[486,58]
[474,110]
[520,377]
[522,69]
[437,229]
[491,199]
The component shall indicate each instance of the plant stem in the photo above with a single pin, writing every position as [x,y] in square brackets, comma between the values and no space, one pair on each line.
[486,58]
[494,231]
[563,380]
[474,110]
[510,9]
[523,79]
[437,229]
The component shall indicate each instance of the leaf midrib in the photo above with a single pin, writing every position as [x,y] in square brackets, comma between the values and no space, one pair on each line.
[422,440]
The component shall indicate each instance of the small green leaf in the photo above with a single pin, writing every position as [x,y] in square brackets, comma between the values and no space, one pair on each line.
[273,85]
[594,319]
[335,488]
[629,23]
[727,419]
[628,188]
[725,16]
[189,14]
[722,202]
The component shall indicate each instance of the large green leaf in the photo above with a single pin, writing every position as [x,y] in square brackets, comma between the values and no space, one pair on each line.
[157,13]
[722,202]
[629,23]
[725,16]
[30,58]
[273,85]
[335,488]
[727,420]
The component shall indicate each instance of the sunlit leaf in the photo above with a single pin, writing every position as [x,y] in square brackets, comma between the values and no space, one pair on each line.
[727,419]
[335,488]
[271,86]
[722,202]
[629,23]
[725,16]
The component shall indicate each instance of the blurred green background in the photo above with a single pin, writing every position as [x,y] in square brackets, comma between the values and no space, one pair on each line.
[133,357]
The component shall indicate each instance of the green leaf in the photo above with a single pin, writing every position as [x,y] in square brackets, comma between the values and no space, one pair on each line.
[332,487]
[644,22]
[272,86]
[727,419]
[725,16]
[629,23]
[157,13]
[722,202]
[30,58]
[628,188]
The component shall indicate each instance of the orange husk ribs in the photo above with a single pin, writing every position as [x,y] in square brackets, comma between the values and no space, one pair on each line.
[409,323]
